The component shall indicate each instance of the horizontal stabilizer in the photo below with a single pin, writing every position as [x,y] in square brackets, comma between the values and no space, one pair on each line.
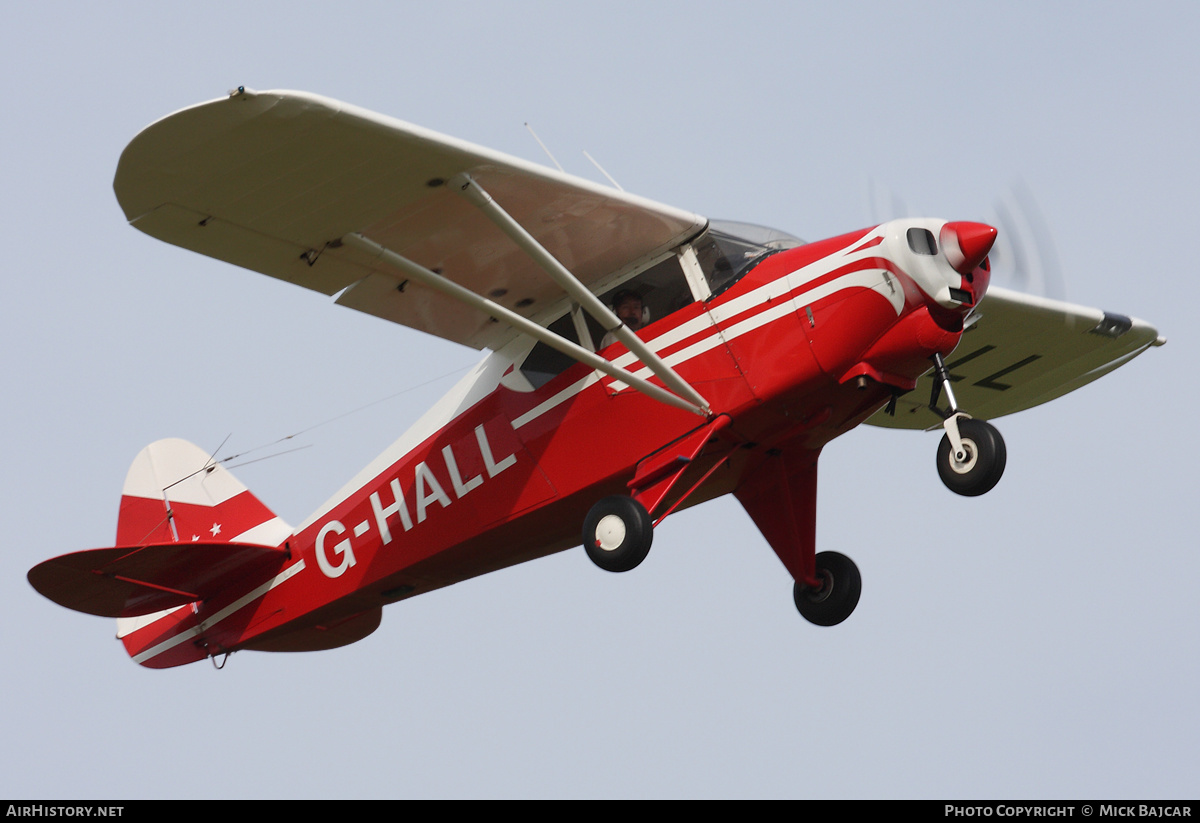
[127,581]
[322,636]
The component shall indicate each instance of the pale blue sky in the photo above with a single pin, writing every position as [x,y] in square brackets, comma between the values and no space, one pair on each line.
[1037,642]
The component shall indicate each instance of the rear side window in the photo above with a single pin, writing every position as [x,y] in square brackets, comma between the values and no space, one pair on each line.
[545,363]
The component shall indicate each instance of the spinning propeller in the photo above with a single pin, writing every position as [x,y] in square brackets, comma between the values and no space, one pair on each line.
[1022,257]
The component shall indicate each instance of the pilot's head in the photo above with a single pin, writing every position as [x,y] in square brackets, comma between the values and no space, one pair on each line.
[627,305]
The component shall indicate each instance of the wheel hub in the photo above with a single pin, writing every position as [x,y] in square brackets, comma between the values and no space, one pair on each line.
[972,454]
[610,533]
[821,593]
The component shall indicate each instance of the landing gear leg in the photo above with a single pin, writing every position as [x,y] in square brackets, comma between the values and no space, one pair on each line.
[971,456]
[780,495]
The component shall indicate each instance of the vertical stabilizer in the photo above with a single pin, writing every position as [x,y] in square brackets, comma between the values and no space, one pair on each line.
[176,493]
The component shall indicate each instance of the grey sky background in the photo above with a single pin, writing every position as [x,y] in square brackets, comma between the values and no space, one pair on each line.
[1038,642]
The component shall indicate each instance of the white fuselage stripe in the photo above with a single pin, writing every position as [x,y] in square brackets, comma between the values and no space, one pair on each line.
[865,278]
[233,607]
[560,397]
[862,279]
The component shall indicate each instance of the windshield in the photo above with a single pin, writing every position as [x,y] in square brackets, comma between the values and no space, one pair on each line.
[727,250]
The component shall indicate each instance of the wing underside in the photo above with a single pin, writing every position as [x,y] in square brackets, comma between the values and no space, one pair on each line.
[272,181]
[1022,351]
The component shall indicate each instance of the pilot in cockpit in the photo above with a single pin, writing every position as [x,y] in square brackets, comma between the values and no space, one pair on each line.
[629,308]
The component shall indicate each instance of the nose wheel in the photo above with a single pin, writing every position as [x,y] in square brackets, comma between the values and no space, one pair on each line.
[976,467]
[971,456]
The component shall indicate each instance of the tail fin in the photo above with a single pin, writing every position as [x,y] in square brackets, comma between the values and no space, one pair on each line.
[175,493]
[187,531]
[194,546]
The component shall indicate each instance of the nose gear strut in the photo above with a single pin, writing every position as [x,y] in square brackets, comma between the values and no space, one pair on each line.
[971,456]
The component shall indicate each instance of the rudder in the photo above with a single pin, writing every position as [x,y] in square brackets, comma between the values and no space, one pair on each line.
[175,493]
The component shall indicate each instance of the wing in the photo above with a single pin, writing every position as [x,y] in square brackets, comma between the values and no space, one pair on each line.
[272,181]
[1023,351]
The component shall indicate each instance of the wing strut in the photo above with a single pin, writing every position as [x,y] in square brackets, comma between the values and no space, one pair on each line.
[579,292]
[453,290]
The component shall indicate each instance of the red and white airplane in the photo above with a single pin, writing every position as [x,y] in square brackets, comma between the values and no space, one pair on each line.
[642,359]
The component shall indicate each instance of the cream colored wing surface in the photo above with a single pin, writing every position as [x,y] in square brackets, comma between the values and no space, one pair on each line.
[1023,351]
[273,180]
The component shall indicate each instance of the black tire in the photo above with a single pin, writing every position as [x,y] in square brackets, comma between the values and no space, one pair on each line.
[617,533]
[984,465]
[840,589]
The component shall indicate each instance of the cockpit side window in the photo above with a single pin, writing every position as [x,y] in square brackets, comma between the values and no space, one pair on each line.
[725,252]
[662,288]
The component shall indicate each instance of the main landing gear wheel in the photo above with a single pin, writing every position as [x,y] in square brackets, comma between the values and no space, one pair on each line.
[984,462]
[617,533]
[833,602]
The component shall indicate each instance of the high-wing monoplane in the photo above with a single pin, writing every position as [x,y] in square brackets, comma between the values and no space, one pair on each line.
[641,359]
